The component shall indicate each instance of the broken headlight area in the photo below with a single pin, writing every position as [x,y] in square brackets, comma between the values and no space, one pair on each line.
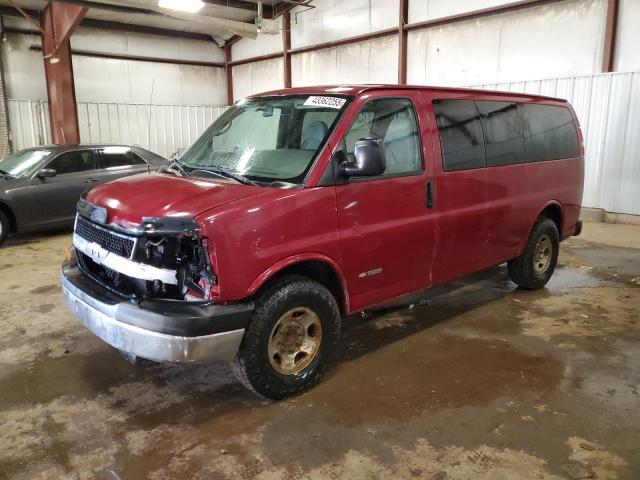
[168,260]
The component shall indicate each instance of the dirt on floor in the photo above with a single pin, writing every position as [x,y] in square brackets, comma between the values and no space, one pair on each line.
[475,380]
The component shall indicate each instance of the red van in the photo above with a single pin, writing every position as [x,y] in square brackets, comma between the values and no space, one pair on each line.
[300,206]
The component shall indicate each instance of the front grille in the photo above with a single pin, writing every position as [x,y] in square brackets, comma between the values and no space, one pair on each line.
[117,244]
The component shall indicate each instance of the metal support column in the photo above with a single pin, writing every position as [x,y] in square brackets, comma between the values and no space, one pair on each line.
[58,22]
[286,46]
[229,72]
[610,35]
[403,19]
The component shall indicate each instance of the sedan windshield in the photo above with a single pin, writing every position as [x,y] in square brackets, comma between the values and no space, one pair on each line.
[22,162]
[267,139]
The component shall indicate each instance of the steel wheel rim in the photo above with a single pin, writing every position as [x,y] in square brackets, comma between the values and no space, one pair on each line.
[542,254]
[294,341]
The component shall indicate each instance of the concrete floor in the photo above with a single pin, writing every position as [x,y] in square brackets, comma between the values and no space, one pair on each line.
[476,380]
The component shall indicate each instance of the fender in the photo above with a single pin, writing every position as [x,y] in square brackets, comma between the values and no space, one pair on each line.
[299,258]
[550,203]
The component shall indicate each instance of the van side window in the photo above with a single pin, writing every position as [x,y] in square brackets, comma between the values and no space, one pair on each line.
[460,134]
[503,133]
[550,132]
[393,121]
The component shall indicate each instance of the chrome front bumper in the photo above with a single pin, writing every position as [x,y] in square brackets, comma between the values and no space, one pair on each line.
[103,320]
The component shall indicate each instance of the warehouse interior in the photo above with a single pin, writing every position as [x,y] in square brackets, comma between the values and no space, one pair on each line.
[473,379]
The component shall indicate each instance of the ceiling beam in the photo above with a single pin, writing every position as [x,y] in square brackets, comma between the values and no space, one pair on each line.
[118,26]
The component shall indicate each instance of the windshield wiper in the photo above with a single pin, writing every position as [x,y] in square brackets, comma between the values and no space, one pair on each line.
[6,174]
[229,173]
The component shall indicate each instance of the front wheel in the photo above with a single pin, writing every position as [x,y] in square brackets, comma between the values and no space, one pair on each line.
[4,227]
[291,336]
[533,269]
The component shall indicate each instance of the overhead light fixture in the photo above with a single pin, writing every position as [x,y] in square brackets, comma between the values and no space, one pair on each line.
[190,6]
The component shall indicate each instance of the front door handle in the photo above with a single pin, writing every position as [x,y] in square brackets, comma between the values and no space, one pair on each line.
[91,180]
[429,194]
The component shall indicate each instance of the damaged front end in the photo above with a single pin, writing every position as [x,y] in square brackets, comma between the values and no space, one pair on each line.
[163,258]
[150,291]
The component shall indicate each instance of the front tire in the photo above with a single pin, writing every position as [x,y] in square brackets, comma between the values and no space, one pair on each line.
[290,339]
[4,227]
[533,269]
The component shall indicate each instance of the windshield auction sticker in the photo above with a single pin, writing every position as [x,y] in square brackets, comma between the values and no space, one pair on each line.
[331,102]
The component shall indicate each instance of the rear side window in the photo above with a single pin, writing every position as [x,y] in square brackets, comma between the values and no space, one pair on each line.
[119,159]
[460,134]
[503,133]
[550,132]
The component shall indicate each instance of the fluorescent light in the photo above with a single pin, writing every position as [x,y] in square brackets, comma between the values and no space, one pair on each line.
[191,6]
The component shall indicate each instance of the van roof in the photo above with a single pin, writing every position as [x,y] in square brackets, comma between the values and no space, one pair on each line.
[359,89]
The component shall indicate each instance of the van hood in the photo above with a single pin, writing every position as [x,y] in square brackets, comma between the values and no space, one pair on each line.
[160,195]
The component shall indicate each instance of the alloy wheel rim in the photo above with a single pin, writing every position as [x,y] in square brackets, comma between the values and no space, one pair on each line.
[542,254]
[294,340]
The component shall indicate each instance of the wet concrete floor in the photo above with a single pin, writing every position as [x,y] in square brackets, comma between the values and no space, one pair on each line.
[477,380]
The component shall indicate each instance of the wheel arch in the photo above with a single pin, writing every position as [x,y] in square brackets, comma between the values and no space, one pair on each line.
[317,267]
[552,210]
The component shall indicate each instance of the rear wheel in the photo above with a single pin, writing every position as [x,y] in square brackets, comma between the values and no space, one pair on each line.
[534,267]
[4,227]
[291,336]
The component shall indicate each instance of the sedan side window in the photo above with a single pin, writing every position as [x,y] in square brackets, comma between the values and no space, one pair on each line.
[119,159]
[73,162]
[393,121]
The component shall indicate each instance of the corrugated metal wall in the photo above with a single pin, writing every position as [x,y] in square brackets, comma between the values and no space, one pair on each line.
[164,129]
[608,107]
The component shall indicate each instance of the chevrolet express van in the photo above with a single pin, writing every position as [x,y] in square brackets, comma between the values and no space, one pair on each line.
[300,206]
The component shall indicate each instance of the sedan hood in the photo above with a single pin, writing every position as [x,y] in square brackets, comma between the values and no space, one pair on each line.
[160,195]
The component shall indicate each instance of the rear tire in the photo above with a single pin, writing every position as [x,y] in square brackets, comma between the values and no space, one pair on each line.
[533,269]
[291,337]
[5,226]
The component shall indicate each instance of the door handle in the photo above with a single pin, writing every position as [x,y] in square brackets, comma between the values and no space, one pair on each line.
[91,180]
[429,194]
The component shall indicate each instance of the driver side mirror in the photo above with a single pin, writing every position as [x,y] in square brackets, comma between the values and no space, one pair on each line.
[46,173]
[370,159]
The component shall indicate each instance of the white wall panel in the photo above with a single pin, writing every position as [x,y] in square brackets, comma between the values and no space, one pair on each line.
[337,19]
[112,80]
[421,10]
[257,77]
[608,107]
[164,129]
[127,81]
[374,61]
[556,40]
[627,56]
[23,68]
[144,45]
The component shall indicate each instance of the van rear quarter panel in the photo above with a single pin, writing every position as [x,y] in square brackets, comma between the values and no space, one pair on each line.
[255,236]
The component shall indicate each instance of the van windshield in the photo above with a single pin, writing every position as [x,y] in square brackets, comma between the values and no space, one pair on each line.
[267,139]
